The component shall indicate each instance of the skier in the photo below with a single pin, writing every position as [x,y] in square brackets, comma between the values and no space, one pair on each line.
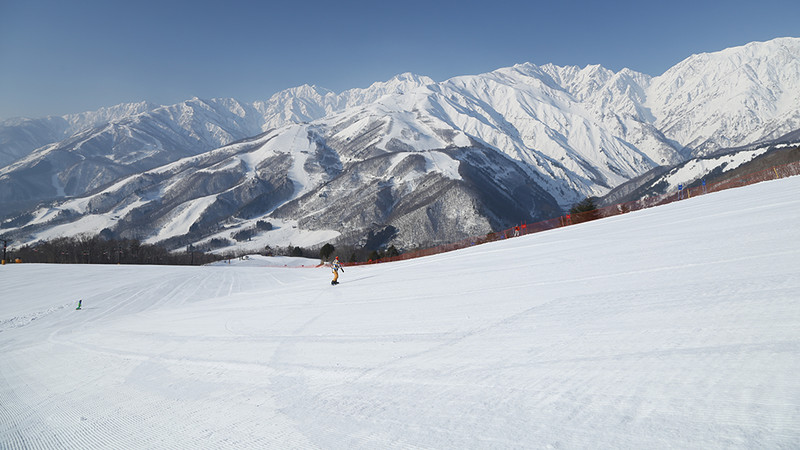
[335,266]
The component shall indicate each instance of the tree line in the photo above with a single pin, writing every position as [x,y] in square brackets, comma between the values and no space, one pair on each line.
[96,250]
[87,249]
[346,253]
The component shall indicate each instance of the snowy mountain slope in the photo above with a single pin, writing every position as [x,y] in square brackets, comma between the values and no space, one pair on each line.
[426,198]
[301,104]
[247,178]
[574,132]
[20,136]
[523,112]
[647,330]
[710,169]
[729,98]
[289,176]
[72,155]
[99,156]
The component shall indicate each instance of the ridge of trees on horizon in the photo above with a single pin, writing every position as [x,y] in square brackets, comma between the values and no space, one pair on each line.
[94,249]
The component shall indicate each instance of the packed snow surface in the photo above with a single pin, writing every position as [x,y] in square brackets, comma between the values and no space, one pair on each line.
[673,327]
[269,261]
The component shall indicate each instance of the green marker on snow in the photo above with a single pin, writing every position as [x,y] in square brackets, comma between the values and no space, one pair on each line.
[79,304]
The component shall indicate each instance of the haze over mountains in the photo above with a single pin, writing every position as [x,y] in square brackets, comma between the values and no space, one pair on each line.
[411,159]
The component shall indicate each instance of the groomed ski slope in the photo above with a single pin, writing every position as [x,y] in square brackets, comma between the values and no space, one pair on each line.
[673,327]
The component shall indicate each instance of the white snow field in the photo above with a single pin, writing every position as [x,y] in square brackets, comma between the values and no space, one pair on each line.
[673,327]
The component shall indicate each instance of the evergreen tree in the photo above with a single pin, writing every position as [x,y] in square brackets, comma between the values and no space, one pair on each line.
[585,205]
[584,211]
[326,251]
[392,252]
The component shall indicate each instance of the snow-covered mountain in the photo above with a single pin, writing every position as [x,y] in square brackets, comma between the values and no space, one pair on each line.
[105,151]
[20,136]
[712,169]
[56,157]
[292,177]
[730,98]
[428,161]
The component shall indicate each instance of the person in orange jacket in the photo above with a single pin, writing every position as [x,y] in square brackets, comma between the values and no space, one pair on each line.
[335,266]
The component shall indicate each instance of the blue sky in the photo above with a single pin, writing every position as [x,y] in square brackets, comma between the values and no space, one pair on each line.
[59,57]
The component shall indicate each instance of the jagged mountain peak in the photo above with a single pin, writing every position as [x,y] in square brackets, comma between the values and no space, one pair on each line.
[401,81]
[752,52]
[755,59]
[399,84]
[725,99]
[302,91]
[107,114]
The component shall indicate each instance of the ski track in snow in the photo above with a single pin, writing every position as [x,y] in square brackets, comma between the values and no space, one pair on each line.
[673,327]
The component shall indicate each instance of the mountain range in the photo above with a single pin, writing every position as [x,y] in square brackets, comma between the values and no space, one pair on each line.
[409,161]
